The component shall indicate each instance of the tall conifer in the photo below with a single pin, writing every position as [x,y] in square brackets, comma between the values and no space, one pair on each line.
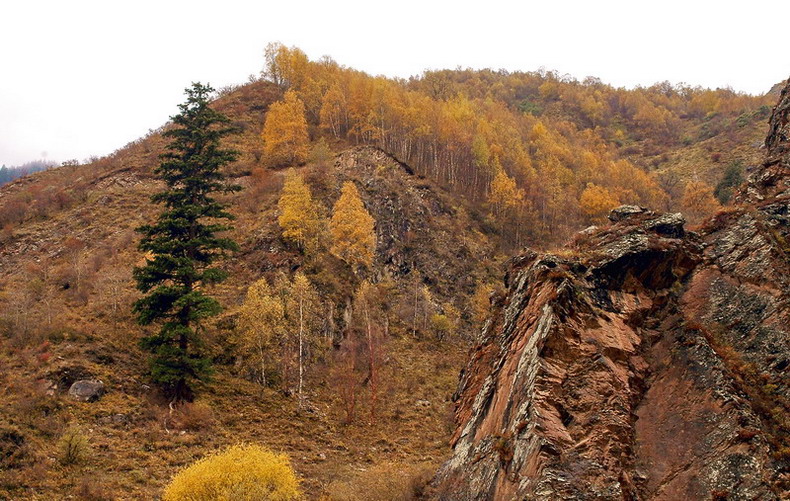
[183,244]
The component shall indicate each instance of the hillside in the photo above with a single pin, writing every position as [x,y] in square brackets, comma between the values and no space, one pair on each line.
[457,168]
[68,291]
[644,362]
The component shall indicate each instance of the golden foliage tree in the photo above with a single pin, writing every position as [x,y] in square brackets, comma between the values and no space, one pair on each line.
[596,202]
[302,307]
[352,229]
[504,193]
[285,137]
[480,303]
[240,472]
[299,214]
[261,323]
[698,201]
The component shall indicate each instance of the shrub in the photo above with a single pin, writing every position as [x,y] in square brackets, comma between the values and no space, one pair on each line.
[240,472]
[193,416]
[73,447]
[383,482]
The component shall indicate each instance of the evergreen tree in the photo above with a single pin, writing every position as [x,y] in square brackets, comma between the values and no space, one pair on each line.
[183,244]
[733,177]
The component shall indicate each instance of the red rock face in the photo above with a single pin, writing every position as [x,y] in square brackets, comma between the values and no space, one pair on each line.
[647,363]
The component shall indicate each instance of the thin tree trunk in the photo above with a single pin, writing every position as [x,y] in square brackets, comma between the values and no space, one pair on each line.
[373,369]
[301,350]
[263,367]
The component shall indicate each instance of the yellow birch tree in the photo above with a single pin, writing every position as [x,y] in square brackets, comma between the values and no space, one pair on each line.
[352,229]
[299,216]
[285,138]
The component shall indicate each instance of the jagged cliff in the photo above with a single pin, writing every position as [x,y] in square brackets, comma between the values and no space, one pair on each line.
[645,362]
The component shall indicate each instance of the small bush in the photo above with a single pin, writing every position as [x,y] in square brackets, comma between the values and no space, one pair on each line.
[13,448]
[194,416]
[89,490]
[239,473]
[383,482]
[73,447]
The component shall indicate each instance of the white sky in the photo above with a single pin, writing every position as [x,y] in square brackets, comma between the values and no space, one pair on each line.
[81,78]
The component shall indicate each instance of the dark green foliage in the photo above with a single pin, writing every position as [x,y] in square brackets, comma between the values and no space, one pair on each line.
[183,244]
[531,107]
[733,177]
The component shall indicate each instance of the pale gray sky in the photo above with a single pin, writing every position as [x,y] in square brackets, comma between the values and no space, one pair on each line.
[81,78]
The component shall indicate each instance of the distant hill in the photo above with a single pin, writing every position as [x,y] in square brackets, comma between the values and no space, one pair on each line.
[8,174]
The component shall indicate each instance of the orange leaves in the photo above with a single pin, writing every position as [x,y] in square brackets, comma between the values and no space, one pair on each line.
[596,202]
[698,201]
[352,229]
[285,133]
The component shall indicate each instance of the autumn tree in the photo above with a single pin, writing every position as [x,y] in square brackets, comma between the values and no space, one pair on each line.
[698,201]
[369,310]
[302,310]
[285,137]
[445,323]
[334,112]
[299,214]
[596,202]
[480,303]
[183,244]
[504,194]
[352,229]
[346,373]
[261,323]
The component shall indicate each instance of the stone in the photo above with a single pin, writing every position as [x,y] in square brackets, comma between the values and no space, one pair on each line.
[87,390]
[624,212]
[668,225]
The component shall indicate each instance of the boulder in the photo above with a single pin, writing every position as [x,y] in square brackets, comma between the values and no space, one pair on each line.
[87,390]
[625,212]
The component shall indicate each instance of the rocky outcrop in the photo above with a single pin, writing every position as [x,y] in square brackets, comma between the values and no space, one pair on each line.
[87,390]
[645,362]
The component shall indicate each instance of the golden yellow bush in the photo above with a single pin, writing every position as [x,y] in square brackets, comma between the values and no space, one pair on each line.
[239,473]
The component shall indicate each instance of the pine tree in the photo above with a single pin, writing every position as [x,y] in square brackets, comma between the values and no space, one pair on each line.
[352,229]
[183,244]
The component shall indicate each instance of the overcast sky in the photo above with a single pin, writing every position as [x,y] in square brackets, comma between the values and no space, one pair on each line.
[81,78]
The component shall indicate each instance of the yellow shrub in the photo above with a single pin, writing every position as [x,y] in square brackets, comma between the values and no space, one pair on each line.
[240,472]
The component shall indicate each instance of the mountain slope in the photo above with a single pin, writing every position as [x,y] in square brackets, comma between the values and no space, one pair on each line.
[67,294]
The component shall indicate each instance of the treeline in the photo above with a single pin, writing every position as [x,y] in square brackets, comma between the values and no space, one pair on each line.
[545,153]
[8,174]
